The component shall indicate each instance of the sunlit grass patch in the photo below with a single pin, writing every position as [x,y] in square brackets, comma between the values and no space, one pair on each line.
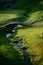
[35,16]
[5,17]
[31,38]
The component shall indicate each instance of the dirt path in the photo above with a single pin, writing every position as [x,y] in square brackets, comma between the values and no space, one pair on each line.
[15,23]
[37,22]
[22,23]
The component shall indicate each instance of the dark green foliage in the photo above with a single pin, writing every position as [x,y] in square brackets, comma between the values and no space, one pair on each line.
[9,54]
[15,4]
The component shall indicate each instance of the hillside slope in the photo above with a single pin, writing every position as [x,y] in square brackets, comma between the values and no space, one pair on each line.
[27,11]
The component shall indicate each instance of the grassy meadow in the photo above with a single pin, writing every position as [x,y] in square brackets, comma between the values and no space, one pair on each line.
[31,36]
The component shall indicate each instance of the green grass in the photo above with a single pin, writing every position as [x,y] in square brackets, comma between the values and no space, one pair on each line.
[31,38]
[8,16]
[5,17]
[9,54]
[11,15]
[35,16]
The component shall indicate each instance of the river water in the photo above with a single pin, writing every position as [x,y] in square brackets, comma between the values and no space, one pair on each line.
[19,44]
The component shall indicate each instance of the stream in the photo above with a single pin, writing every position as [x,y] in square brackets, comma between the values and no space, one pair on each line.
[19,44]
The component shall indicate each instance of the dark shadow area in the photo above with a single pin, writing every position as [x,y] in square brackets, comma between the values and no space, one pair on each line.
[3,32]
[11,56]
[21,19]
[5,61]
[6,29]
[27,5]
[16,60]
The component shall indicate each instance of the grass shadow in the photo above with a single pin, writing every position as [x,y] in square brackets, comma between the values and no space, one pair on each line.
[11,56]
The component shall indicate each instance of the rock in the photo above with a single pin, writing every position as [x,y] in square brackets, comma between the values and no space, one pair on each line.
[13,30]
[8,35]
[41,35]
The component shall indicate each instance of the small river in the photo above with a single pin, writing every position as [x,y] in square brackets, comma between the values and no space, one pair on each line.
[19,44]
